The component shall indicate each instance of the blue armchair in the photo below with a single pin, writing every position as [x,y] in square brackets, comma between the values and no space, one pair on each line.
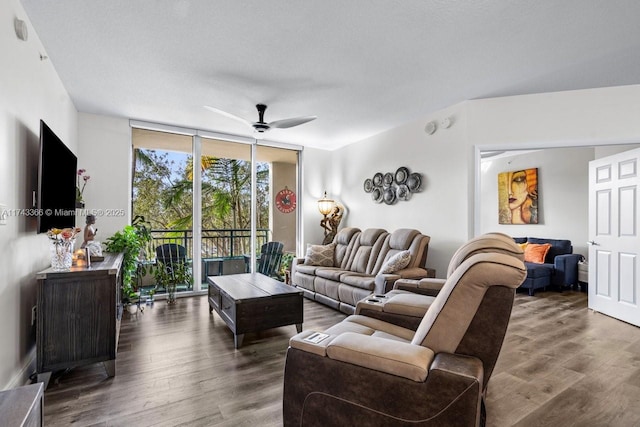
[560,266]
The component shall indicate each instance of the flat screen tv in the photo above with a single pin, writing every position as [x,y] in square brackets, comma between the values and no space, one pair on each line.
[56,194]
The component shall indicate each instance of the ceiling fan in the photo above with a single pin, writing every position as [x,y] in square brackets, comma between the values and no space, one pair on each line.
[261,126]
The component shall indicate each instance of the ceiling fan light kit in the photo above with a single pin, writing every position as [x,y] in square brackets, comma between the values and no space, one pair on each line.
[261,126]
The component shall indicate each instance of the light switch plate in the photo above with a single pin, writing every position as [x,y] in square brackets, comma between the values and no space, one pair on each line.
[3,214]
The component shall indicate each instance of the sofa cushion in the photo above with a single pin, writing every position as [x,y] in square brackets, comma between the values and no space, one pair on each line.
[401,359]
[558,247]
[367,250]
[331,273]
[306,269]
[536,253]
[536,270]
[360,281]
[320,255]
[345,241]
[351,295]
[405,239]
[396,262]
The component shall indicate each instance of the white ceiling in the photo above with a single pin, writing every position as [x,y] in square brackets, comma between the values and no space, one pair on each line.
[361,66]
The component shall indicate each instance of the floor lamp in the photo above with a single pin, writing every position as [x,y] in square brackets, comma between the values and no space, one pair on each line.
[329,224]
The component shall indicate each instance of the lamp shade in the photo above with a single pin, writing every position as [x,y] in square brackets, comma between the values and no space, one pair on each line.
[325,205]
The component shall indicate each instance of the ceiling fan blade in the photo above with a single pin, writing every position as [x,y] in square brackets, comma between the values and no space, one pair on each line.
[229,115]
[288,123]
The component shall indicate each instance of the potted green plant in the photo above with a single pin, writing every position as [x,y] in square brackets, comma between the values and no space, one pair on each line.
[169,276]
[285,265]
[131,241]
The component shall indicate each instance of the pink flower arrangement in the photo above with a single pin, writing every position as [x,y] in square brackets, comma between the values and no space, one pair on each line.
[61,248]
[79,190]
[63,235]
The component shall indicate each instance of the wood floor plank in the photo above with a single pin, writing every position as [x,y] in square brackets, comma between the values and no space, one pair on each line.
[560,365]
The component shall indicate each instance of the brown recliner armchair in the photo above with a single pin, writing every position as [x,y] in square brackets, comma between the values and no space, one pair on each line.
[370,372]
[409,300]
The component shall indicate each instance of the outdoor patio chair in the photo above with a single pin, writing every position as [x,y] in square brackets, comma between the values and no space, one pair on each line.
[270,257]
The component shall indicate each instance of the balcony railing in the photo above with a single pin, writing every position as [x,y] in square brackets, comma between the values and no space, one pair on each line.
[218,243]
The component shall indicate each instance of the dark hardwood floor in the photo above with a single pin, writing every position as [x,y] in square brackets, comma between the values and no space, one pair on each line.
[561,365]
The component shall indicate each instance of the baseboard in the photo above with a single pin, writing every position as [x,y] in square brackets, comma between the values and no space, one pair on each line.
[22,378]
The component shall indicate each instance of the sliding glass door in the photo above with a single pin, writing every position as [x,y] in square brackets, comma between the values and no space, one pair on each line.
[218,210]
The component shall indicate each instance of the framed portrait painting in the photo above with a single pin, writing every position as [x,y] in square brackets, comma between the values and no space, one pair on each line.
[518,197]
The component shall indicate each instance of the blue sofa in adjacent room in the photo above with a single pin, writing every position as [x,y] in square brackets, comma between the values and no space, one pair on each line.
[560,267]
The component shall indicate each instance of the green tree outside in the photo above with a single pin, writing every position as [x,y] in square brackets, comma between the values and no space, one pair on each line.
[162,191]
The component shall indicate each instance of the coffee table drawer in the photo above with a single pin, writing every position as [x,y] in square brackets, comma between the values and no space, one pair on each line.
[253,316]
[228,311]
[214,297]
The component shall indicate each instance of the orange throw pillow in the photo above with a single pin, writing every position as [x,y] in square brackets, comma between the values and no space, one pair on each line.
[536,253]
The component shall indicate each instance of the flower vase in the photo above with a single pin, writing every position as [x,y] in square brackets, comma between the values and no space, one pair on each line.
[61,254]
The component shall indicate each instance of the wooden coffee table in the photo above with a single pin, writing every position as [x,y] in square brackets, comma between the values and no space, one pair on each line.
[253,302]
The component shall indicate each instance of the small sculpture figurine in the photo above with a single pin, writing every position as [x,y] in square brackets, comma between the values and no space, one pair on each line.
[94,247]
[330,224]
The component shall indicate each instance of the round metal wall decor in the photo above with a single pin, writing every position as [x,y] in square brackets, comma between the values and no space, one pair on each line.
[387,180]
[376,195]
[401,175]
[414,182]
[368,185]
[390,187]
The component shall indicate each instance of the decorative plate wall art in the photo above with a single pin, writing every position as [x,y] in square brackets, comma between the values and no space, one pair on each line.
[390,187]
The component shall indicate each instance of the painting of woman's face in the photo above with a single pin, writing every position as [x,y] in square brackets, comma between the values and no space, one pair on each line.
[518,197]
[518,189]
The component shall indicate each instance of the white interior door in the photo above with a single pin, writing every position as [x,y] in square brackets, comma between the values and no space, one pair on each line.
[613,232]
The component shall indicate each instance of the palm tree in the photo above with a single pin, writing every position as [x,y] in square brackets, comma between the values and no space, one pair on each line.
[163,193]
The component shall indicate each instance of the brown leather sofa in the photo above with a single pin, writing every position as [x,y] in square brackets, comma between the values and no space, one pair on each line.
[370,372]
[358,258]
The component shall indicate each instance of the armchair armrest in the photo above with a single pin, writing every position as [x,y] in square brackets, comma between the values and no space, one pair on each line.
[566,267]
[401,359]
[301,342]
[384,282]
[404,310]
[294,263]
[427,286]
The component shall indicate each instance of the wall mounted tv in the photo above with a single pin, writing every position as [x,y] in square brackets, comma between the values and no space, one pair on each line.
[56,194]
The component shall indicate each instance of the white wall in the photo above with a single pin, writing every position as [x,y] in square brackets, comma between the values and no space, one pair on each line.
[316,179]
[445,209]
[106,153]
[30,90]
[439,210]
[563,184]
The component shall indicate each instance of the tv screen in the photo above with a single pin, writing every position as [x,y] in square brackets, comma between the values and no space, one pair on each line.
[57,169]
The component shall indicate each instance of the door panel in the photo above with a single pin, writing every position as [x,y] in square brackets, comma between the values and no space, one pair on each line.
[603,273]
[613,233]
[627,263]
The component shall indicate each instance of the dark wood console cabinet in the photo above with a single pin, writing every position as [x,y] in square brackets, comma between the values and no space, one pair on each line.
[78,317]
